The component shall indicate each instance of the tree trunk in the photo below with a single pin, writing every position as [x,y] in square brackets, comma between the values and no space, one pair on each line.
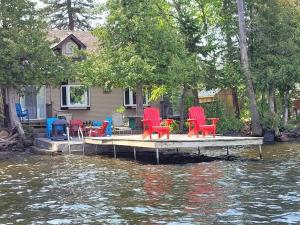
[255,120]
[195,97]
[139,105]
[181,107]
[14,120]
[271,99]
[71,24]
[235,102]
[286,107]
[4,107]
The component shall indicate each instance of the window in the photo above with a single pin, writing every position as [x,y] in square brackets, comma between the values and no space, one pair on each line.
[75,96]
[130,98]
[70,46]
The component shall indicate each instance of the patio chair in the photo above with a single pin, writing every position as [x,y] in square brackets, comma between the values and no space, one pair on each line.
[75,124]
[197,122]
[118,124]
[96,123]
[49,123]
[108,131]
[152,123]
[21,113]
[98,132]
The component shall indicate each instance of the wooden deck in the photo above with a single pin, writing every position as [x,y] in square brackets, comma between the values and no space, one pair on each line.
[135,142]
[175,142]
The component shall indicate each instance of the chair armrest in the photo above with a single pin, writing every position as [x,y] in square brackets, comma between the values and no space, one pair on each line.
[191,120]
[214,121]
[169,122]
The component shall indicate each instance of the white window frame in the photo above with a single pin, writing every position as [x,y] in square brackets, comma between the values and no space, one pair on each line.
[69,49]
[87,96]
[131,98]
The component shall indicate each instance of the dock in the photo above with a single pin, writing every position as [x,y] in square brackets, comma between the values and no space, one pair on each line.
[176,141]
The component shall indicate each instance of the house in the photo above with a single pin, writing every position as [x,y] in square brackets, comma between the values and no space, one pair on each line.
[73,100]
[224,96]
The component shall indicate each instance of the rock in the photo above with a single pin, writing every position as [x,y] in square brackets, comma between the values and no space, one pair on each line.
[27,143]
[283,138]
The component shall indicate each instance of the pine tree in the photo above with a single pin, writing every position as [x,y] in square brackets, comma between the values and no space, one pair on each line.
[69,14]
[25,54]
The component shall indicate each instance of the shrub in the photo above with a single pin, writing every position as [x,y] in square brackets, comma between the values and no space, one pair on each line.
[174,127]
[270,121]
[229,125]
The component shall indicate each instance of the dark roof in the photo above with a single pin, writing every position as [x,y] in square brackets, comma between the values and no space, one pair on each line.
[81,37]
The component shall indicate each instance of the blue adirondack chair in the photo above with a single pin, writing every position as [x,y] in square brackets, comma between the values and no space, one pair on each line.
[50,121]
[108,131]
[21,113]
[96,123]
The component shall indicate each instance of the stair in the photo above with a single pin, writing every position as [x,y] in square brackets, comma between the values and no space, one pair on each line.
[36,127]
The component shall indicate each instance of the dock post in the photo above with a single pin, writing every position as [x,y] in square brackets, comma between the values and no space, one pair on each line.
[96,149]
[134,154]
[260,152]
[227,150]
[157,156]
[199,153]
[115,154]
[83,148]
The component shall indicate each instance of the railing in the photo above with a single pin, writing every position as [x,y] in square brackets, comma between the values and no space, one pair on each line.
[68,136]
[80,138]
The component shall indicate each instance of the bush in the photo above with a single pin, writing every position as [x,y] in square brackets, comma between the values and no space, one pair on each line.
[230,125]
[174,127]
[270,121]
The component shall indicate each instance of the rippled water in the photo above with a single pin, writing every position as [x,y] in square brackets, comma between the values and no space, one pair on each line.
[101,190]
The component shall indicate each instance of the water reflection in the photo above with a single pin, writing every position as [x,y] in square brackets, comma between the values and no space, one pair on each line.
[99,190]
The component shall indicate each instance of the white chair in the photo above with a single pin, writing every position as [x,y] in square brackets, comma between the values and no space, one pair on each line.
[118,124]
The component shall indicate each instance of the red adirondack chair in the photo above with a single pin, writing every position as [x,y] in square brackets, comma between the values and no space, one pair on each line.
[74,126]
[98,131]
[197,122]
[152,123]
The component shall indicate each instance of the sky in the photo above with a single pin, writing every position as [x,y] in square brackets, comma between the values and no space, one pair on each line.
[93,23]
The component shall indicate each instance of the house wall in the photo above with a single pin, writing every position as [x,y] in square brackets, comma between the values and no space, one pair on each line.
[101,104]
[224,97]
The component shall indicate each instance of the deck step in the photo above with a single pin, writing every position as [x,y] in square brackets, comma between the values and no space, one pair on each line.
[59,146]
[41,151]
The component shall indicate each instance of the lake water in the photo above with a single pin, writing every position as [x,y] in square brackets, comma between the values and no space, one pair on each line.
[76,189]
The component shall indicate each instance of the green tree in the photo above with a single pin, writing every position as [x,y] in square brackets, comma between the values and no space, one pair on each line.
[70,14]
[137,46]
[255,117]
[275,49]
[25,55]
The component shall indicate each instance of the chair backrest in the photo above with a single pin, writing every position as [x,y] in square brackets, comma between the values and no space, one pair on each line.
[96,123]
[76,122]
[18,109]
[49,122]
[197,113]
[117,119]
[153,115]
[101,130]
[108,130]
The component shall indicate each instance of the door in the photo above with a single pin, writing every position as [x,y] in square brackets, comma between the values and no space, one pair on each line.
[34,102]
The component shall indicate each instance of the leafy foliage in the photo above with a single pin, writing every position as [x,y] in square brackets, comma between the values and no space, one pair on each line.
[25,54]
[70,14]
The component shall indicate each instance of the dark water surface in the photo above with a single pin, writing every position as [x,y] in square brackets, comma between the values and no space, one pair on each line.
[101,190]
